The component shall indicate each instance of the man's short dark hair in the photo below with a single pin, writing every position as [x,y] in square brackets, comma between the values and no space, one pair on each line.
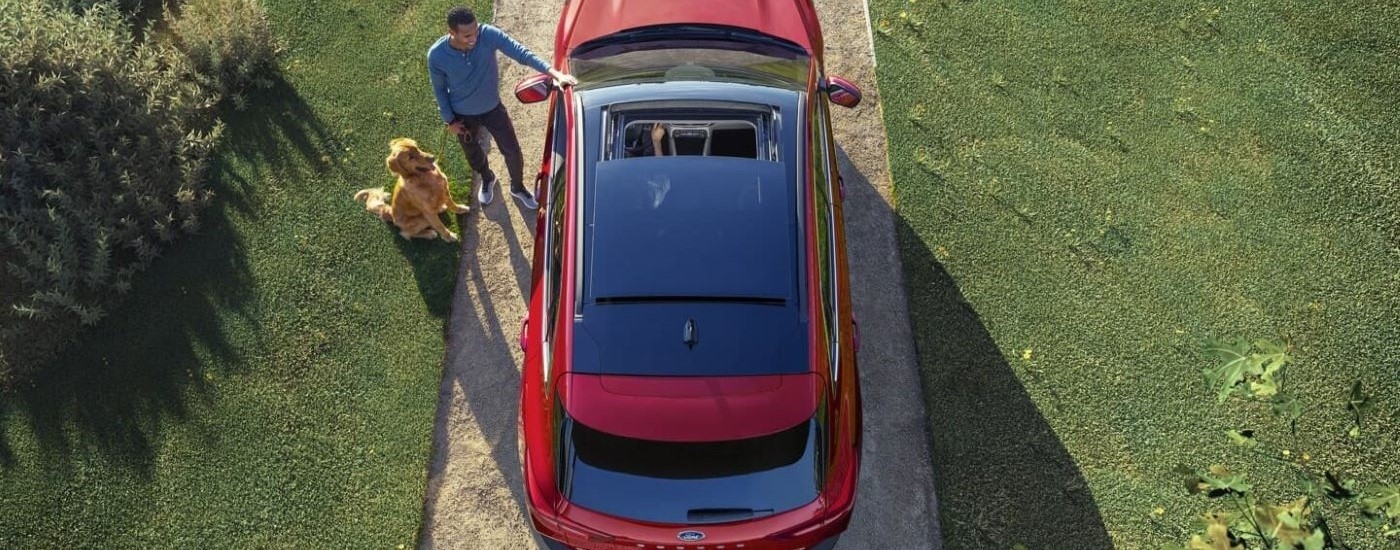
[460,15]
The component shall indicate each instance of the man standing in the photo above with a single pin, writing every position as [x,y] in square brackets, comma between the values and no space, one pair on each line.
[462,67]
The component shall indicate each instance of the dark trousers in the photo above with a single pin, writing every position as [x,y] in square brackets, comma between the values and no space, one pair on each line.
[497,122]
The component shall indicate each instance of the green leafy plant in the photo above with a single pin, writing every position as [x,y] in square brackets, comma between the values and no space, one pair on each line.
[1286,407]
[1254,370]
[230,43]
[1380,504]
[1252,524]
[104,141]
[1357,403]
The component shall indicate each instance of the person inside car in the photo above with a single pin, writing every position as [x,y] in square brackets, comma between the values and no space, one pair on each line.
[648,144]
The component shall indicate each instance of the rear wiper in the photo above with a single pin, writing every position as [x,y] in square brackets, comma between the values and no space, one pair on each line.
[719,515]
[755,300]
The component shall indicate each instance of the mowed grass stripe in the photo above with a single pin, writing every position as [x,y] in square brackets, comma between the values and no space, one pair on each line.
[1105,184]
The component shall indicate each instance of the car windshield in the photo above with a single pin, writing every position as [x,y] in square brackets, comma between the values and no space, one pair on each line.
[690,52]
[690,227]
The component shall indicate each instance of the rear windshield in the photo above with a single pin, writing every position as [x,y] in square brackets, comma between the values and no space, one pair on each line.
[708,227]
[690,482]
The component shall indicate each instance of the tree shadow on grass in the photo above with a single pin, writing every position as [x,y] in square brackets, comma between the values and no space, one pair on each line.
[140,368]
[280,132]
[1003,476]
[114,388]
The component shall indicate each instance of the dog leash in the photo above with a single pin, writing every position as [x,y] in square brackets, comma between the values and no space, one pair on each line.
[442,141]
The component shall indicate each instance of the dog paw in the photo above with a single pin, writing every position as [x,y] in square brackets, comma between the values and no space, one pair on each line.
[450,237]
[463,209]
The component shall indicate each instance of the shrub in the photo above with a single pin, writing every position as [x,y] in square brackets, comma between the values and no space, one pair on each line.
[127,6]
[1325,503]
[103,148]
[228,41]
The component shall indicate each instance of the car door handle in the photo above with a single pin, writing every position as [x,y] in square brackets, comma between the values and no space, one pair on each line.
[524,334]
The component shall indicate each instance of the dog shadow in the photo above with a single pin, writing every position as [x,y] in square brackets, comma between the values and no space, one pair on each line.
[434,261]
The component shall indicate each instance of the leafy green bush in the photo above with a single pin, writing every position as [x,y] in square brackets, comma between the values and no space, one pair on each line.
[103,147]
[127,6]
[1325,500]
[228,41]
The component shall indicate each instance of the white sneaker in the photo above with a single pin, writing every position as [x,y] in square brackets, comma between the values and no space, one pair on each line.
[523,196]
[484,195]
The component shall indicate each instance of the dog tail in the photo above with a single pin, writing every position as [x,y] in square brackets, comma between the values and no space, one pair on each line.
[376,202]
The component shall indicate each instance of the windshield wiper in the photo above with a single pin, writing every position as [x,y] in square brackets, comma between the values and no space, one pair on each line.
[753,300]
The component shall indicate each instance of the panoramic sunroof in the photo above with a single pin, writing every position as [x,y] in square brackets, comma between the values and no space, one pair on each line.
[710,129]
[690,226]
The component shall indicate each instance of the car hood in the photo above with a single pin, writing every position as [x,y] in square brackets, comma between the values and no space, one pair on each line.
[691,408]
[792,20]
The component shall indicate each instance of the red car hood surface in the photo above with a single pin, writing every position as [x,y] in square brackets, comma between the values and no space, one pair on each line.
[691,409]
[584,20]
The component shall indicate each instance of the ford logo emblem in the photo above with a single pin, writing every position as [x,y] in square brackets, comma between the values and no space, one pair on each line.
[690,536]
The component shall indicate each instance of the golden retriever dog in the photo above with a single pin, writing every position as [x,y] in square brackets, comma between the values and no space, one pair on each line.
[420,194]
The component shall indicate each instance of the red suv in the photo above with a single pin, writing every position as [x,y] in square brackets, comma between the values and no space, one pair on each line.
[690,369]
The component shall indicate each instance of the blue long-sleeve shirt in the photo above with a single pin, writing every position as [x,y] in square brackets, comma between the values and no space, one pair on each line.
[466,83]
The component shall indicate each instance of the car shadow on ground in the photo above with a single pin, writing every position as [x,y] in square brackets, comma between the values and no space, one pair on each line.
[1003,476]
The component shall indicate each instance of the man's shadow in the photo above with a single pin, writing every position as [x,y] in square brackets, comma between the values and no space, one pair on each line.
[481,363]
[484,374]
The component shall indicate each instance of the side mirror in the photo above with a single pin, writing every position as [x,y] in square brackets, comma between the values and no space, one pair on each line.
[534,89]
[841,91]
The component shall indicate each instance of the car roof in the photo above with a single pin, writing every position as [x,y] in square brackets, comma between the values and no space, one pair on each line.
[738,338]
[585,20]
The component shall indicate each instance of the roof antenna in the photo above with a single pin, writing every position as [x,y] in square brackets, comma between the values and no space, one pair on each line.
[692,337]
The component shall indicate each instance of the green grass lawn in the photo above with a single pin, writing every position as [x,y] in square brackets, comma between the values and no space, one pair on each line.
[272,381]
[1086,190]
